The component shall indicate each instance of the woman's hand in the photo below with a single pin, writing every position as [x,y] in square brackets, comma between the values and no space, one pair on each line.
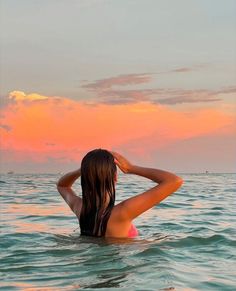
[122,162]
[68,179]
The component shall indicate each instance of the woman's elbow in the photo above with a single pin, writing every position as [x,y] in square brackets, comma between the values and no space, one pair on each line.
[178,182]
[59,184]
[175,183]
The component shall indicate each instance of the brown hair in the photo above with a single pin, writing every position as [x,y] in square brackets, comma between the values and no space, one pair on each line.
[98,171]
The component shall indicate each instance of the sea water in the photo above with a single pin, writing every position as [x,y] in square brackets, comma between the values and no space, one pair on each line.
[185,243]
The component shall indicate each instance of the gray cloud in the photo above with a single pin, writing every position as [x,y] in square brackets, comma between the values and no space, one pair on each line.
[121,80]
[160,96]
[188,69]
[186,99]
[50,144]
[6,127]
[182,70]
[227,90]
[107,94]
[132,79]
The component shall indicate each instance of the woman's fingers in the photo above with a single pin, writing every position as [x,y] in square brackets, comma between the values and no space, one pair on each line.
[116,155]
[117,163]
[121,162]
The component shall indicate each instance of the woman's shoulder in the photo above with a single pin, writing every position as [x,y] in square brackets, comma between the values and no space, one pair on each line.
[117,225]
[118,213]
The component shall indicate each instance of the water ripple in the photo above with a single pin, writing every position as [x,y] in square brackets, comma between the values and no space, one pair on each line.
[185,243]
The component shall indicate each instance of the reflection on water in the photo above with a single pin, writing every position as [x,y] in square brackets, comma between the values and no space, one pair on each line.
[36,210]
[110,262]
[185,243]
[32,287]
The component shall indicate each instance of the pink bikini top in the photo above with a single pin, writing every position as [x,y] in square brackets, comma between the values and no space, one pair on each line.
[132,231]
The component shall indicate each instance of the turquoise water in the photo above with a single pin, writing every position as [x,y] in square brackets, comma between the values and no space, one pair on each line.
[185,243]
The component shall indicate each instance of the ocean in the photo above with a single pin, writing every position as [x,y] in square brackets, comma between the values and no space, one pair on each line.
[185,243]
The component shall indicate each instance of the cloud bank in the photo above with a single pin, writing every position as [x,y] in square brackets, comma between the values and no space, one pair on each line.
[44,128]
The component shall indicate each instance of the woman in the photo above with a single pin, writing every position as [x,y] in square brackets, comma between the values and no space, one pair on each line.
[97,213]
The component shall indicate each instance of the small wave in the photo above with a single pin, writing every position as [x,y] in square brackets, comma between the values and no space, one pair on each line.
[217,208]
[192,241]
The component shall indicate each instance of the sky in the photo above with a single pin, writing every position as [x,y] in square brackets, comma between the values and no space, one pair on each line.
[152,79]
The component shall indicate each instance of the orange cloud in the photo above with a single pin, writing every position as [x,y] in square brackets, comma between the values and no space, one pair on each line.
[45,127]
[19,95]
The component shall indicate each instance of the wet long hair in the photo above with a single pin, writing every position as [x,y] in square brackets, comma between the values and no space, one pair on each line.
[98,171]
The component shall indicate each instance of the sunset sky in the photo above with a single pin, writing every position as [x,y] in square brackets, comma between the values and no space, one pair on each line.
[152,79]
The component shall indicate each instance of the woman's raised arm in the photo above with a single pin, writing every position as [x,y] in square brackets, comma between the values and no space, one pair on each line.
[68,179]
[64,185]
[167,184]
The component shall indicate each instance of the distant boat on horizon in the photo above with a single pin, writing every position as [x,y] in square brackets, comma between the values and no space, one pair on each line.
[10,172]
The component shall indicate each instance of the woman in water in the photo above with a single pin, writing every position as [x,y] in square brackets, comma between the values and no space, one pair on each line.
[96,210]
